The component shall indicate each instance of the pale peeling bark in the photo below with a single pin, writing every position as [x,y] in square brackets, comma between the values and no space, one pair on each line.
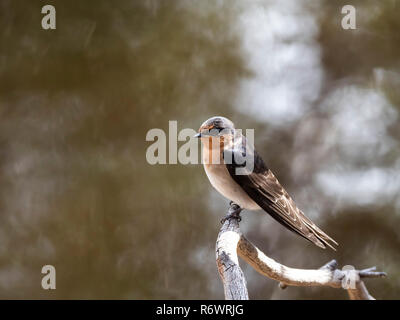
[228,265]
[231,242]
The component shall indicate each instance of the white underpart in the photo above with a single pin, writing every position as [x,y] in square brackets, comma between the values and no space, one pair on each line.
[222,181]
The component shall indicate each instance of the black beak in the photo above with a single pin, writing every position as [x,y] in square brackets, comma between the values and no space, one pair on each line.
[197,135]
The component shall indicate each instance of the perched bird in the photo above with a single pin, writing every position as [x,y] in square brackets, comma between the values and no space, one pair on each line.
[255,187]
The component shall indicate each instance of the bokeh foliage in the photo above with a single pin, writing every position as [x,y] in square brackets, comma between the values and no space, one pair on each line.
[76,190]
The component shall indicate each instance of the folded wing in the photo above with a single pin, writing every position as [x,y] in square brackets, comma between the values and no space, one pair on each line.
[262,186]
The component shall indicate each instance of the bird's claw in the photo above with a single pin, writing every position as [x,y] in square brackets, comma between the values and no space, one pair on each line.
[231,216]
[234,213]
[238,218]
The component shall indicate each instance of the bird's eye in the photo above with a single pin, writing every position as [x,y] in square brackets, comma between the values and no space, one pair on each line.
[218,131]
[225,131]
[214,132]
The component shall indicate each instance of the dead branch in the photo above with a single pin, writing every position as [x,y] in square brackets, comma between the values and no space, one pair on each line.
[231,242]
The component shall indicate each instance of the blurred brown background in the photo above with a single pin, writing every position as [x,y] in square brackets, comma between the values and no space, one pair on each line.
[76,103]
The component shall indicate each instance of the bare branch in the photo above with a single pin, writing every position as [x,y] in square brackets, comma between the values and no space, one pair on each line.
[227,261]
[231,242]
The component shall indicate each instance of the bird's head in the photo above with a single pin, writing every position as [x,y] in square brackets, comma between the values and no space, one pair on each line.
[216,134]
[216,127]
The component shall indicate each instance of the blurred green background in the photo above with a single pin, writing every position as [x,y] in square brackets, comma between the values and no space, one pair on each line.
[76,103]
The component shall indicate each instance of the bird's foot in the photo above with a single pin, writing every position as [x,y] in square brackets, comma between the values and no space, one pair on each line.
[233,213]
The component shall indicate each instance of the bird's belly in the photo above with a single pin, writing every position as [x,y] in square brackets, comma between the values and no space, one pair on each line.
[223,182]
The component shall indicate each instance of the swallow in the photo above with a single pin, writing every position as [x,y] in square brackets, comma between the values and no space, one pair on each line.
[255,188]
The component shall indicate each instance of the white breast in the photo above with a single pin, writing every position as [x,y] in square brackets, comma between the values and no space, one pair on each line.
[222,181]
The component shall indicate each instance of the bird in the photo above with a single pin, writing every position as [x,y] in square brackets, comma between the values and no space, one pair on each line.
[255,187]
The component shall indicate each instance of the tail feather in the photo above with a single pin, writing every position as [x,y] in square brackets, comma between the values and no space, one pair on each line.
[320,238]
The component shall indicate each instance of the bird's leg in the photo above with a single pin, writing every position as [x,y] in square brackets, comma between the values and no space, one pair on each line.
[233,212]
